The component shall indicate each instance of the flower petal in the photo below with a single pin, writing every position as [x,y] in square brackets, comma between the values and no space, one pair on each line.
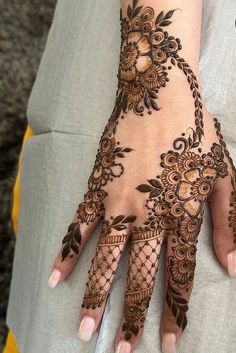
[192,175]
[209,172]
[143,63]
[143,45]
[184,190]
[134,36]
[128,75]
[192,207]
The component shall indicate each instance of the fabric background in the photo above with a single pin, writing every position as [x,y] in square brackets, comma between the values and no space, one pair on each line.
[23,30]
[70,103]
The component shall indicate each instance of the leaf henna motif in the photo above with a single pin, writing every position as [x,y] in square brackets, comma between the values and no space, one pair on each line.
[193,84]
[178,305]
[72,240]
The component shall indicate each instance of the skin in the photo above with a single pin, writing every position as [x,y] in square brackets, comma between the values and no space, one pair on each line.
[160,159]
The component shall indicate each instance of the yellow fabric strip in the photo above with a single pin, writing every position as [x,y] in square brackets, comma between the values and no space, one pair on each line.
[15,209]
[10,346]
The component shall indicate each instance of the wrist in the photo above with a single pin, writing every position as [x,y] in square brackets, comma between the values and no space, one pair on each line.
[148,54]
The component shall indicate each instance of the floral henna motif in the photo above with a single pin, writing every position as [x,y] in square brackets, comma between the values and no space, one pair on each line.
[105,169]
[145,49]
[175,205]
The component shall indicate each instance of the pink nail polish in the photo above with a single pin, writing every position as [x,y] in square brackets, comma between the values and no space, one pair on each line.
[123,347]
[231,263]
[86,328]
[168,343]
[54,278]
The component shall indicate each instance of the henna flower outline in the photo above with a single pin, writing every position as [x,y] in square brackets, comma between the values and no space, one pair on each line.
[145,47]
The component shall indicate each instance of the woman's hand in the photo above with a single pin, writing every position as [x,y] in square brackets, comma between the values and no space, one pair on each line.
[154,171]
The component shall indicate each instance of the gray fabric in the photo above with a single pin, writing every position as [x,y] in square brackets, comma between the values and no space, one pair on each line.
[70,103]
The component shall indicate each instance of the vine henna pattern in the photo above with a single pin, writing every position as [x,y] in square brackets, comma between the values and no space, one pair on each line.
[175,197]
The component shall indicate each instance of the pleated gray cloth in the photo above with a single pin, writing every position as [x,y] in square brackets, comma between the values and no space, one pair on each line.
[71,101]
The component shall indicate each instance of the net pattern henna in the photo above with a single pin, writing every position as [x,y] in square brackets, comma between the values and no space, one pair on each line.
[103,269]
[143,265]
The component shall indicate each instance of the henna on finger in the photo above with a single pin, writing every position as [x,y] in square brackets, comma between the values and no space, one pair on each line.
[175,204]
[143,265]
[147,52]
[106,169]
[176,196]
[104,264]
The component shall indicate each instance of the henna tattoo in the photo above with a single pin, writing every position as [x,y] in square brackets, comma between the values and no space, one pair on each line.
[143,259]
[175,208]
[175,197]
[145,49]
[193,84]
[105,261]
[105,169]
[72,241]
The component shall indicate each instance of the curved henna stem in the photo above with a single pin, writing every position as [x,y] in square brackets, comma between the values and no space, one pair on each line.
[193,84]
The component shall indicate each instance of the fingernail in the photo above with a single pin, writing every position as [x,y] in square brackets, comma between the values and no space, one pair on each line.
[231,263]
[123,347]
[54,278]
[86,328]
[168,343]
